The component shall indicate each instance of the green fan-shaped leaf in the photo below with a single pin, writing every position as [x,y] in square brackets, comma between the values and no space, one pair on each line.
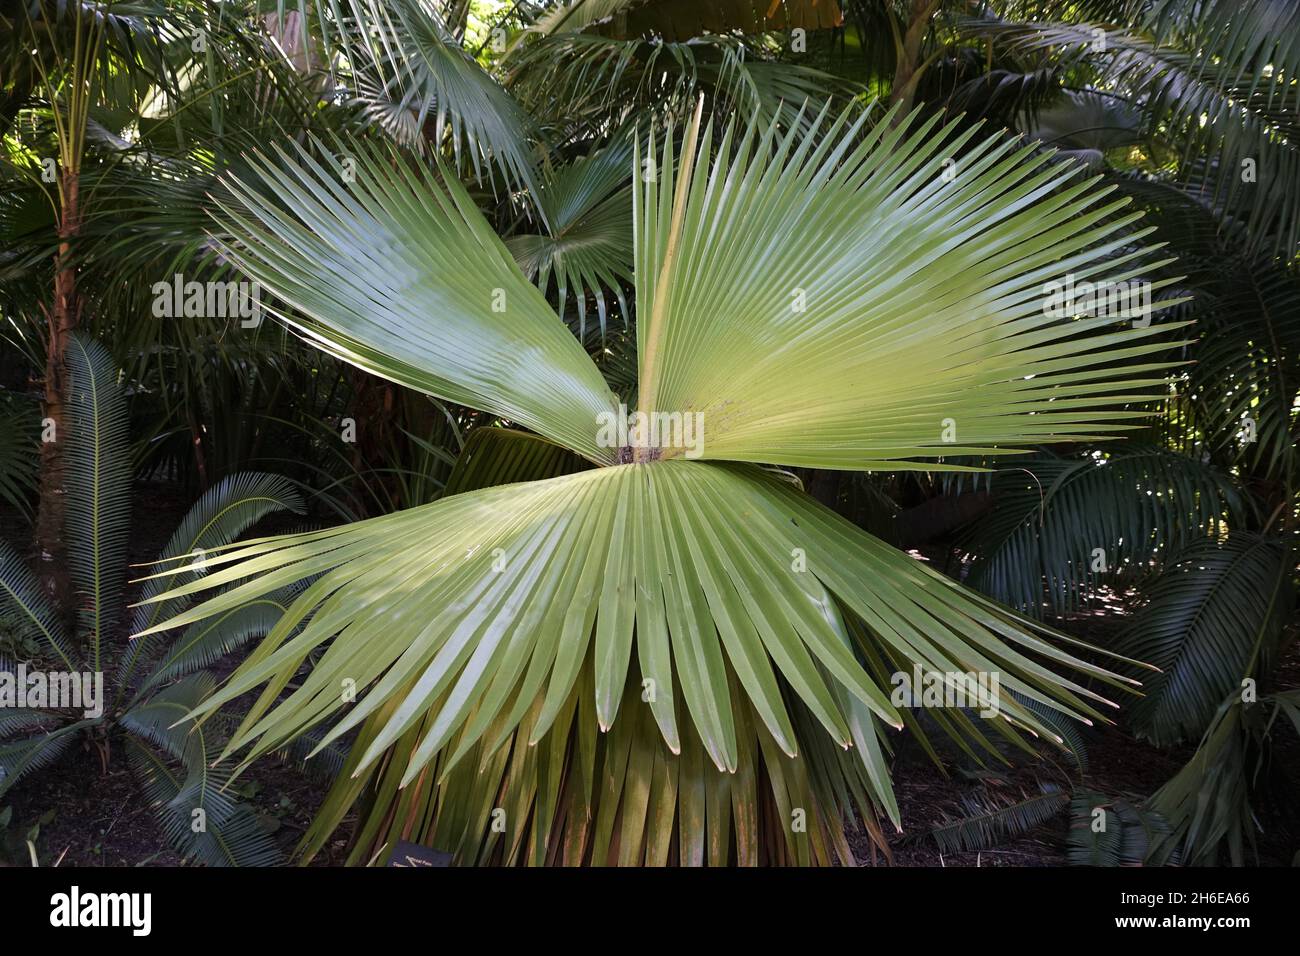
[481,605]
[412,78]
[587,247]
[420,290]
[866,309]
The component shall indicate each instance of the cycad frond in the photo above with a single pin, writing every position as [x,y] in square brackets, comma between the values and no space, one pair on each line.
[207,642]
[201,819]
[19,758]
[222,514]
[989,822]
[1037,549]
[25,609]
[98,479]
[1214,615]
[1111,831]
[18,436]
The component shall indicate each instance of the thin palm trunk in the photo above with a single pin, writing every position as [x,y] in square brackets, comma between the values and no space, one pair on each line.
[907,72]
[62,320]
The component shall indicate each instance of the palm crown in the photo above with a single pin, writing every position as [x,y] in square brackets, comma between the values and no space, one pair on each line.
[853,299]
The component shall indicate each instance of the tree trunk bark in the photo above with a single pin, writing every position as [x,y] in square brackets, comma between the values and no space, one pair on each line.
[65,316]
[908,69]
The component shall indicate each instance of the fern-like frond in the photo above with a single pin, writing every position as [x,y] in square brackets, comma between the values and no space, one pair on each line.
[1062,526]
[1214,615]
[25,610]
[98,479]
[989,822]
[200,817]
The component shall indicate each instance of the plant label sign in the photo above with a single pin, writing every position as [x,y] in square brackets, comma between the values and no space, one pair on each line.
[412,854]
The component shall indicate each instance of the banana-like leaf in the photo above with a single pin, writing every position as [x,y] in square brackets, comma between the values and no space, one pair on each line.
[97,473]
[841,301]
[403,277]
[1214,615]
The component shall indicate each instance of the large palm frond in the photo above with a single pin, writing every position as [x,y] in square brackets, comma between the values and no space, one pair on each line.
[399,248]
[412,78]
[734,599]
[971,254]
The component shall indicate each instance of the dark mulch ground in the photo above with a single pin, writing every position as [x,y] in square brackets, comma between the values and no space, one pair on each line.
[78,816]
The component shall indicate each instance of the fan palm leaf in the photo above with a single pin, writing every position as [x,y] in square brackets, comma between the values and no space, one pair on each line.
[738,603]
[498,345]
[970,254]
[588,246]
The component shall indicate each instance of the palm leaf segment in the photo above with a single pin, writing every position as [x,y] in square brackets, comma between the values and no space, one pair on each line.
[724,588]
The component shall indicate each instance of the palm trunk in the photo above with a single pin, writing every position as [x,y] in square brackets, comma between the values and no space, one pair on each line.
[909,66]
[62,320]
